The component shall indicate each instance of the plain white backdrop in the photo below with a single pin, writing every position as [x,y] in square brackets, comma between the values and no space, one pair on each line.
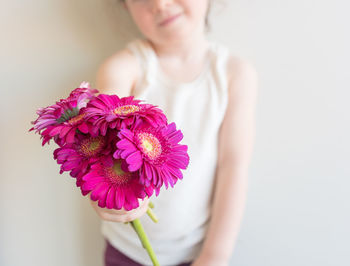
[297,211]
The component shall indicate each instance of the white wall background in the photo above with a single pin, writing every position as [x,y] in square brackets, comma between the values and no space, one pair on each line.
[298,203]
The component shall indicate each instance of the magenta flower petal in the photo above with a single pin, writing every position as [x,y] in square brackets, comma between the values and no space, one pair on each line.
[119,199]
[68,165]
[102,197]
[149,191]
[110,201]
[125,144]
[83,128]
[127,134]
[70,135]
[92,184]
[89,176]
[124,166]
[84,91]
[64,132]
[100,191]
[148,169]
[132,201]
[125,153]
[55,130]
[135,160]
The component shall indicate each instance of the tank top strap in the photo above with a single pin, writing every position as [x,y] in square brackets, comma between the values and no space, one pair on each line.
[142,51]
[220,58]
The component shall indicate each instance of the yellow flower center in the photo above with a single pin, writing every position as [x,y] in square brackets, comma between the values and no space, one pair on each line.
[126,109]
[91,146]
[76,119]
[150,145]
[117,174]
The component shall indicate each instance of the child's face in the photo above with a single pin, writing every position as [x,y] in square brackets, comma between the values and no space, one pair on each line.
[148,15]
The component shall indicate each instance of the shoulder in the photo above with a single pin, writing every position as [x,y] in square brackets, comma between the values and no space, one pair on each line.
[240,69]
[242,77]
[238,127]
[118,73]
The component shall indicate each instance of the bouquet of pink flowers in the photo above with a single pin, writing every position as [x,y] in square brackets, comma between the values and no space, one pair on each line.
[117,149]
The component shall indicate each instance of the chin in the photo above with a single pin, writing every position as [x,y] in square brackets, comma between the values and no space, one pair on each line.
[177,34]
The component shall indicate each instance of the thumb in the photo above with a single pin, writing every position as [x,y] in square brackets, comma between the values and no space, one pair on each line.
[143,202]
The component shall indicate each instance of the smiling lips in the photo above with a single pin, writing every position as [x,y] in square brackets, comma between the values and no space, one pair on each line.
[169,20]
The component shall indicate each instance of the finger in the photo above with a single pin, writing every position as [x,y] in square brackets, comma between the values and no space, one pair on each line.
[138,212]
[130,215]
[121,215]
[131,212]
[122,211]
[114,218]
[144,202]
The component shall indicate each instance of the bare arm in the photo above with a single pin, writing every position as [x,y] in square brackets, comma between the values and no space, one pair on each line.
[118,74]
[235,148]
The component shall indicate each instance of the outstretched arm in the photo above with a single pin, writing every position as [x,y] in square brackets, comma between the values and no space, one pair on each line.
[236,140]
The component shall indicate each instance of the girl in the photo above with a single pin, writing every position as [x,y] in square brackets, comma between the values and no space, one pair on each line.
[211,96]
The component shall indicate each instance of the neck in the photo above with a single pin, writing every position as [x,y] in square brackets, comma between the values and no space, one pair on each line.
[183,49]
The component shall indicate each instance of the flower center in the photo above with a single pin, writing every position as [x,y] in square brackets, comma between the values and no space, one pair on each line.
[150,145]
[68,114]
[75,120]
[126,109]
[117,175]
[91,146]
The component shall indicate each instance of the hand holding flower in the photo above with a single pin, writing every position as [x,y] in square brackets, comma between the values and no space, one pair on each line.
[120,151]
[122,215]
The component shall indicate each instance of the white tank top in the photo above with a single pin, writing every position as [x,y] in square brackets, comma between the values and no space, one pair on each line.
[198,108]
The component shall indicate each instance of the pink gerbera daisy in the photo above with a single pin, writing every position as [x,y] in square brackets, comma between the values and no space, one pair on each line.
[60,121]
[110,111]
[79,156]
[114,187]
[155,152]
[76,157]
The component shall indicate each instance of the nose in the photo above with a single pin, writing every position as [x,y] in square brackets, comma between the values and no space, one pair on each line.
[158,5]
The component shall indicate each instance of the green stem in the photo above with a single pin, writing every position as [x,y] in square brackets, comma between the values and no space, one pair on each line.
[136,224]
[150,204]
[152,215]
